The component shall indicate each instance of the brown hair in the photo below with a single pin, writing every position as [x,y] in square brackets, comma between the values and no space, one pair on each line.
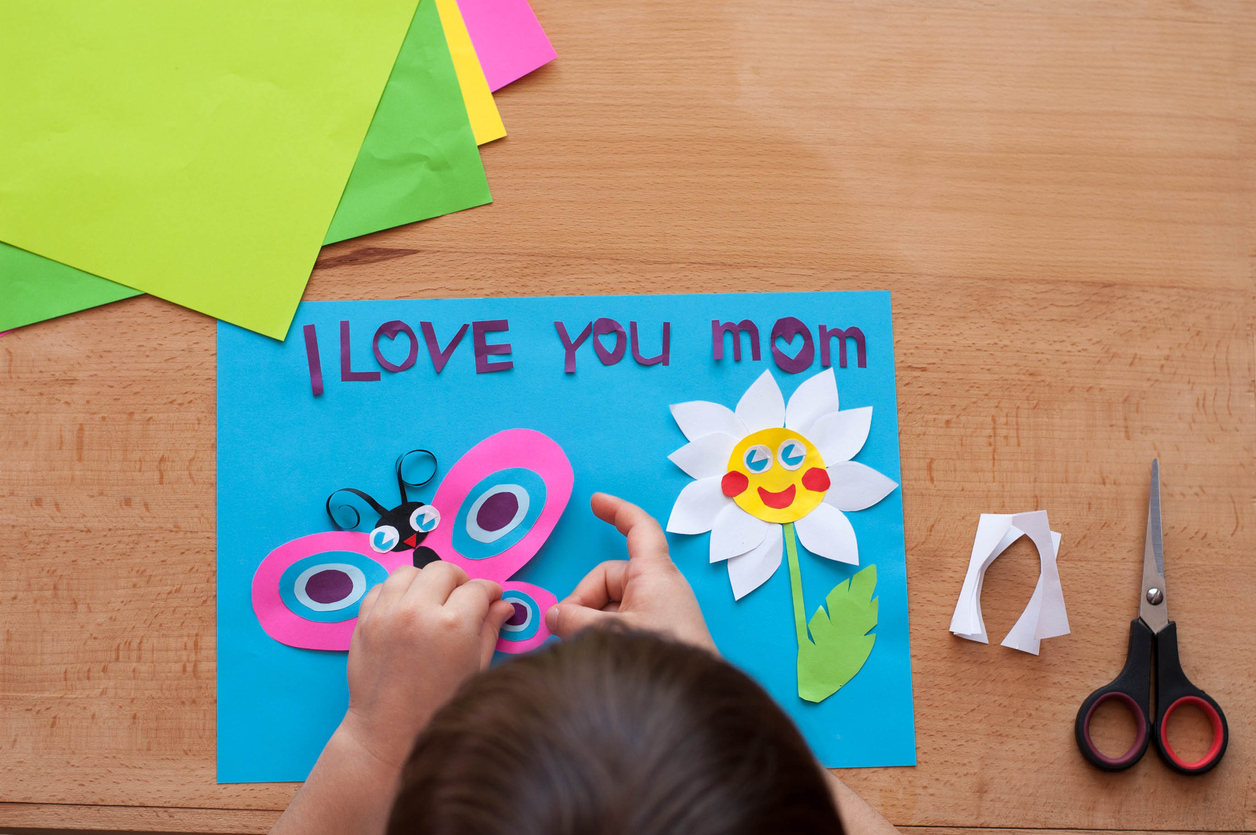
[616,733]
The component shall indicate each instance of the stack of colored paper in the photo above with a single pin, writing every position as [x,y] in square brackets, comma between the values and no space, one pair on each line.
[204,154]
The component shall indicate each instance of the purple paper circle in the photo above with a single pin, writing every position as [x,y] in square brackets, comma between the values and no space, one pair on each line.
[329,586]
[520,617]
[497,511]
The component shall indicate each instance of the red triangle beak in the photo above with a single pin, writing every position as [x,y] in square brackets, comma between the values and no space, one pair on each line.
[413,540]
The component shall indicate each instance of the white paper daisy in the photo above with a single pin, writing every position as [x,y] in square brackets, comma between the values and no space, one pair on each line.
[768,472]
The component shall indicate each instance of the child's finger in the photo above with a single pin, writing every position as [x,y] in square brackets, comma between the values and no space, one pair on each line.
[566,619]
[472,599]
[601,586]
[368,602]
[605,506]
[392,589]
[498,614]
[437,580]
[646,541]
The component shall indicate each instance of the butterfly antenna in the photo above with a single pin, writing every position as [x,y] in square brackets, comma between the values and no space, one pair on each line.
[357,517]
[402,484]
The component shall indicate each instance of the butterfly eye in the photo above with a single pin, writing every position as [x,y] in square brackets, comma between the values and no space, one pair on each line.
[758,459]
[791,454]
[523,624]
[425,519]
[384,539]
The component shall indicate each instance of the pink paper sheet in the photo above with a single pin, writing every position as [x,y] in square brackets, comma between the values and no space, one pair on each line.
[508,39]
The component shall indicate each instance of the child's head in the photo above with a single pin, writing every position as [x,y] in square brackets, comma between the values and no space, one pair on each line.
[612,732]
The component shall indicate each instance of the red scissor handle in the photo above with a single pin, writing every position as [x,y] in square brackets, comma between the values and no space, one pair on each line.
[1173,690]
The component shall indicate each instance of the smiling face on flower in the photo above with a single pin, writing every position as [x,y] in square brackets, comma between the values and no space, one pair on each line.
[776,475]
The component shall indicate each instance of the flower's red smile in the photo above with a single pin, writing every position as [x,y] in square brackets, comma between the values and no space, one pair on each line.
[778,501]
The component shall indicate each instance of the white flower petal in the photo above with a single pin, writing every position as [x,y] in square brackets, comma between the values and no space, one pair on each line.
[750,570]
[826,532]
[815,398]
[763,405]
[697,506]
[697,418]
[855,486]
[839,436]
[706,457]
[735,532]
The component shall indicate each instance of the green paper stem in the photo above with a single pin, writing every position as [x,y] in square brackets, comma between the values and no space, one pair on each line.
[795,585]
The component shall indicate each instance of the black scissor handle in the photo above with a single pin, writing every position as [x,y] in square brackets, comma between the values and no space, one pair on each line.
[1132,688]
[1174,690]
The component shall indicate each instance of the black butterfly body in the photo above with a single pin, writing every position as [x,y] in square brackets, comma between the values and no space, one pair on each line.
[399,528]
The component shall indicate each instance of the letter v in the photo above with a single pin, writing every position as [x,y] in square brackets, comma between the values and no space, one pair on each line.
[439,357]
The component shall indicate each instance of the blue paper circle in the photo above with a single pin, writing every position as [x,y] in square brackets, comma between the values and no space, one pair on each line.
[528,629]
[372,570]
[465,528]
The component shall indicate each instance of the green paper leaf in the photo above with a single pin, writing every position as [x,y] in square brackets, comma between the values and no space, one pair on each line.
[840,643]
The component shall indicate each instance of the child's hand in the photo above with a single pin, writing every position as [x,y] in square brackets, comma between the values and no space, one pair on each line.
[420,634]
[646,591]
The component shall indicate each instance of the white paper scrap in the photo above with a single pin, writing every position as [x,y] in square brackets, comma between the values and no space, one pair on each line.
[1045,615]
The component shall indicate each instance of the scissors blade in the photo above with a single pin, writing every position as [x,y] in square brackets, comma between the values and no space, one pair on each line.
[1153,607]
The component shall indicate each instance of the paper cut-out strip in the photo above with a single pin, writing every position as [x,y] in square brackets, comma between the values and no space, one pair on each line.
[1045,615]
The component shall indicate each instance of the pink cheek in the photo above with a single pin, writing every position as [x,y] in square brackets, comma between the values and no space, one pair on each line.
[815,480]
[734,484]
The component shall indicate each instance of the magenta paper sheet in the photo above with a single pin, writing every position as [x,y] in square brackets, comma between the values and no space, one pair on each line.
[508,39]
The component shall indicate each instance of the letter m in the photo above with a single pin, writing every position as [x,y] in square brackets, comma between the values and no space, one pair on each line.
[719,329]
[861,346]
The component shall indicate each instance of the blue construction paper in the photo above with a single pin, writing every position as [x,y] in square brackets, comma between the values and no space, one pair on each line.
[282,450]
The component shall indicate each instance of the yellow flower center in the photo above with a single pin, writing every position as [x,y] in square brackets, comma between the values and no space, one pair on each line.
[776,475]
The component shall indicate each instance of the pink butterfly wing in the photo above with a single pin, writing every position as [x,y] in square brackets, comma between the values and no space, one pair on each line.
[500,502]
[498,505]
[306,592]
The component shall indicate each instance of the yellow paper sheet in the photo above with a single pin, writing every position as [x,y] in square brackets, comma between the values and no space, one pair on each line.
[486,122]
[196,151]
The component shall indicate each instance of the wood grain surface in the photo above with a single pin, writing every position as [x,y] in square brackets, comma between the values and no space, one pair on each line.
[1062,199]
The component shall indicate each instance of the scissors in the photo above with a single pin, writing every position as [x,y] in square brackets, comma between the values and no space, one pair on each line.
[1152,633]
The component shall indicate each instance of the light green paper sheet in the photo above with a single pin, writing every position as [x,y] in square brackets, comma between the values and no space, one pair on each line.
[194,151]
[419,161]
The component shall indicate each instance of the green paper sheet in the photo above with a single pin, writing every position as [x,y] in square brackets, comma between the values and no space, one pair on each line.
[195,152]
[419,159]
[33,289]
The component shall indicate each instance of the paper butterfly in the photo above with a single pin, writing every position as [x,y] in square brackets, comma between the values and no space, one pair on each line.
[490,516]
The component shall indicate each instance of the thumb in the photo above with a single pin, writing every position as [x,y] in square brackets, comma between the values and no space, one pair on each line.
[566,618]
[498,614]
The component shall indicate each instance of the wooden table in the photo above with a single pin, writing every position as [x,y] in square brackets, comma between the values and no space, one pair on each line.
[1061,198]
